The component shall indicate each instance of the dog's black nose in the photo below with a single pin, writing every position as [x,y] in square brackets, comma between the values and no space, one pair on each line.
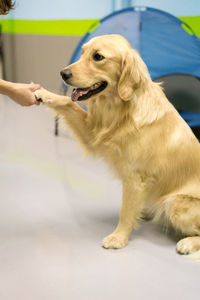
[66,74]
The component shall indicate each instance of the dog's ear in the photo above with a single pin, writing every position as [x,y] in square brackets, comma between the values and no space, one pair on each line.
[134,74]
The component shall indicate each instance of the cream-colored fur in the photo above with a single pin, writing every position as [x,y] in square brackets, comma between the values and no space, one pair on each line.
[133,126]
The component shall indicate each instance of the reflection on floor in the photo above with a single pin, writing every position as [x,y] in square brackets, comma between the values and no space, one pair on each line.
[56,207]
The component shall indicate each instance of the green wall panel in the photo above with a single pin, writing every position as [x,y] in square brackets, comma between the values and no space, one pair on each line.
[68,27]
[55,27]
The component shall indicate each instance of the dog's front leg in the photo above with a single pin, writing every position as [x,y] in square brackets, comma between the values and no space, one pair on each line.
[72,113]
[132,202]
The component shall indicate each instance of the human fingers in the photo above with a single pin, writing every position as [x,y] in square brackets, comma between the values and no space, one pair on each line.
[37,102]
[34,87]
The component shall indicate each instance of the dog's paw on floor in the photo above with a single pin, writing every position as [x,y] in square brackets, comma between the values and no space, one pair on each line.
[188,245]
[114,241]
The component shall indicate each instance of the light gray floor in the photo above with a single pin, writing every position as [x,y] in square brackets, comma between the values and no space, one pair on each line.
[55,208]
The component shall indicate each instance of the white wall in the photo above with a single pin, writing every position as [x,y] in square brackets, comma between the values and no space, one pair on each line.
[94,9]
[61,9]
[175,7]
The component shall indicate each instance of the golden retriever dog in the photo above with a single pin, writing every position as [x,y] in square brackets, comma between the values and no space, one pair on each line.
[131,124]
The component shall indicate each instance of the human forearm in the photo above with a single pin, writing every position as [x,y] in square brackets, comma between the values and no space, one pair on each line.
[6,87]
[21,93]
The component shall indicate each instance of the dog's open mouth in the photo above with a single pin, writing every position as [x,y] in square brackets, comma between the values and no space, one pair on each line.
[85,93]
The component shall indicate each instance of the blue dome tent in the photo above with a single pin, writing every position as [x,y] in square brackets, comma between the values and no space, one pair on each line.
[167,44]
[161,39]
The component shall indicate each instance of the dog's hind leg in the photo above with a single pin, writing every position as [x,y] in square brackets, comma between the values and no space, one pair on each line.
[183,212]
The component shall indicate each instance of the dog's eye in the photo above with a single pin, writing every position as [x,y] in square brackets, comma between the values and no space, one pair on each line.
[98,57]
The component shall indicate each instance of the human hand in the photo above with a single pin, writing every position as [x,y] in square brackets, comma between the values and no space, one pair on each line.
[23,93]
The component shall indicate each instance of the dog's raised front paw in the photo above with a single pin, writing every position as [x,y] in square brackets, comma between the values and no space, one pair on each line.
[43,96]
[115,241]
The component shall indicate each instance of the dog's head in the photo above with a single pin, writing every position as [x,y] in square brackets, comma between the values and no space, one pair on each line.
[108,64]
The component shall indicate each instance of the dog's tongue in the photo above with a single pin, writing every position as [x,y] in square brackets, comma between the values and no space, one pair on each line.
[76,93]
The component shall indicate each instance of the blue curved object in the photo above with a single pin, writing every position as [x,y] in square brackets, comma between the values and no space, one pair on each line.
[164,44]
[193,119]
[161,39]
